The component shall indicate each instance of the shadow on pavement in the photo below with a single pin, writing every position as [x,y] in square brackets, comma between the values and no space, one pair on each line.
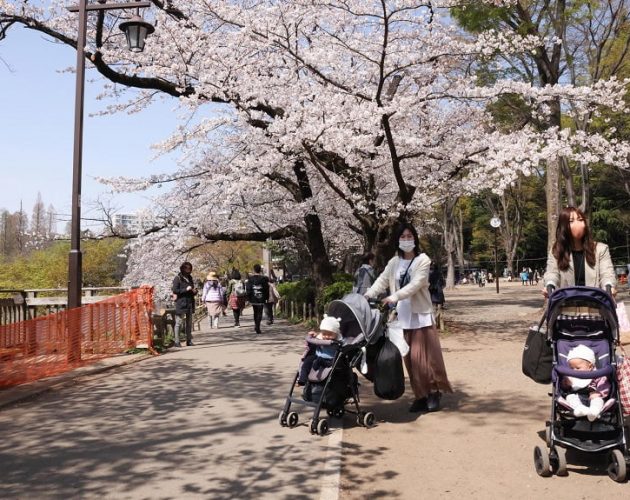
[177,425]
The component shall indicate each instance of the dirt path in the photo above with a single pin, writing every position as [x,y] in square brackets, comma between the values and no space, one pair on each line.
[480,445]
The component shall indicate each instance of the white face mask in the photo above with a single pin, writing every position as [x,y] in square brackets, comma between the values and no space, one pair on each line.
[406,245]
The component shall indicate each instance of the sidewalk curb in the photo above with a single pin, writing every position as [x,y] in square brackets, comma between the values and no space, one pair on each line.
[29,390]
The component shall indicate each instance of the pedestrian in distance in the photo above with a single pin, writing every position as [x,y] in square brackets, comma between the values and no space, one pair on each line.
[213,297]
[257,294]
[524,277]
[575,258]
[365,275]
[237,295]
[407,278]
[274,296]
[184,291]
[436,286]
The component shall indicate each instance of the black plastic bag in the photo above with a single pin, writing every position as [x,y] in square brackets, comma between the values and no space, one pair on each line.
[389,378]
[537,356]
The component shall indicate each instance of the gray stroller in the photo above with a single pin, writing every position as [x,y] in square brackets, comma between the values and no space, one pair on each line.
[334,387]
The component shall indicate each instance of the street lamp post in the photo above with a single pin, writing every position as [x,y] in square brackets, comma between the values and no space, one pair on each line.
[495,222]
[75,272]
[75,268]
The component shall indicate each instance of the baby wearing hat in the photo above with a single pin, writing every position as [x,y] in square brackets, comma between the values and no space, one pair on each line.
[582,358]
[322,355]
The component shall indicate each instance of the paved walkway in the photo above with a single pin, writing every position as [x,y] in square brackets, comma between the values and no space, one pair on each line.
[197,422]
[201,422]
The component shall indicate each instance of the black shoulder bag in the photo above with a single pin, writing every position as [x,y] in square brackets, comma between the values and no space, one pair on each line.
[538,355]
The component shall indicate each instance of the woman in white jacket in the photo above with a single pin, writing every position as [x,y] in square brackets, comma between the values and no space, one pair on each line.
[406,276]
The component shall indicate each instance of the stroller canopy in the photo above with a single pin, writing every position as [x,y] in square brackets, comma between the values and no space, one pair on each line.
[584,296]
[357,317]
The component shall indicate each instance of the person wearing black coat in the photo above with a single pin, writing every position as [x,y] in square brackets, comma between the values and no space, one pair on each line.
[257,294]
[185,291]
[436,285]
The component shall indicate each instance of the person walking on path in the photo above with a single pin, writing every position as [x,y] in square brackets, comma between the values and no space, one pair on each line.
[184,290]
[213,297]
[236,296]
[274,296]
[257,294]
[407,278]
[575,258]
[365,275]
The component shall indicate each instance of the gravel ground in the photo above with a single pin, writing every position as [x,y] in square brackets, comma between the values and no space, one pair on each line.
[481,444]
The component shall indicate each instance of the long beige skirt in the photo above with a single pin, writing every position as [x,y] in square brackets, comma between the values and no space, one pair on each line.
[424,363]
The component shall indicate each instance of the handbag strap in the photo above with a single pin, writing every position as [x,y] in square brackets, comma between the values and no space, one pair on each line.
[404,276]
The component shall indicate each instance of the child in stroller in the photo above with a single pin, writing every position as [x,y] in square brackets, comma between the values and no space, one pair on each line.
[333,386]
[321,356]
[583,390]
[583,331]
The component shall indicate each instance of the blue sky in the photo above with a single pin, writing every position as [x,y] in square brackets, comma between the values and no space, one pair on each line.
[37,129]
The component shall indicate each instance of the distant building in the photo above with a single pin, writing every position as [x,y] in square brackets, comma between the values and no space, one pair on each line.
[132,223]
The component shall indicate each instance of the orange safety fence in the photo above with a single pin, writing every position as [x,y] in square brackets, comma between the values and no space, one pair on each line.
[59,342]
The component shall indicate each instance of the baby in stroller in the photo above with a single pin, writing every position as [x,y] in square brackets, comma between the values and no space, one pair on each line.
[321,356]
[333,387]
[582,390]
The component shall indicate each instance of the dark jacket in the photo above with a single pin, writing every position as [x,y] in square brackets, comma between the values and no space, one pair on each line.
[436,286]
[185,298]
[258,289]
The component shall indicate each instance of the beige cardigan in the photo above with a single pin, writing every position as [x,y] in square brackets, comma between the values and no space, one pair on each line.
[417,289]
[601,275]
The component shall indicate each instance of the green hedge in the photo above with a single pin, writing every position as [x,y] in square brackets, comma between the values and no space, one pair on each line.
[333,292]
[302,291]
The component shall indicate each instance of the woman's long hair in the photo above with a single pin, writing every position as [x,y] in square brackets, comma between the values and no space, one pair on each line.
[562,247]
[416,240]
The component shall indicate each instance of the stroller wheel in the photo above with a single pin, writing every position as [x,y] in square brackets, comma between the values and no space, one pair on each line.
[282,419]
[322,427]
[367,420]
[548,435]
[541,461]
[292,419]
[559,461]
[617,467]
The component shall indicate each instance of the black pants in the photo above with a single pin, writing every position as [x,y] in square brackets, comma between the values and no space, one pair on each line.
[258,314]
[237,316]
[269,308]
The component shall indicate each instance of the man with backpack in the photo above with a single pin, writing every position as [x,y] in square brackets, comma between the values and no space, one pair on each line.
[258,294]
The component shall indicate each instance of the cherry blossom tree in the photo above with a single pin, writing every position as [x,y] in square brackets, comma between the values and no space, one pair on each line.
[326,121]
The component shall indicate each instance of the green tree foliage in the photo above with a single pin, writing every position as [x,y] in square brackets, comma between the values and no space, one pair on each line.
[48,268]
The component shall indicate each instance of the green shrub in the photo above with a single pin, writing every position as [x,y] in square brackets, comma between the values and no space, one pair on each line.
[302,291]
[333,292]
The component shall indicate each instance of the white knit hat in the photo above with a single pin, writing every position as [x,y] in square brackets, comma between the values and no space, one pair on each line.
[582,352]
[331,324]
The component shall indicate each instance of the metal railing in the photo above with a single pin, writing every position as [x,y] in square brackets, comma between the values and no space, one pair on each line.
[19,305]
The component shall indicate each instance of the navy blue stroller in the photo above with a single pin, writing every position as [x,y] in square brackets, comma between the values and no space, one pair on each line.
[587,316]
[335,386]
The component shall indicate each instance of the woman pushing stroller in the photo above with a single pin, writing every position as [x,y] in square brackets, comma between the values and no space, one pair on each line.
[407,278]
[575,258]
